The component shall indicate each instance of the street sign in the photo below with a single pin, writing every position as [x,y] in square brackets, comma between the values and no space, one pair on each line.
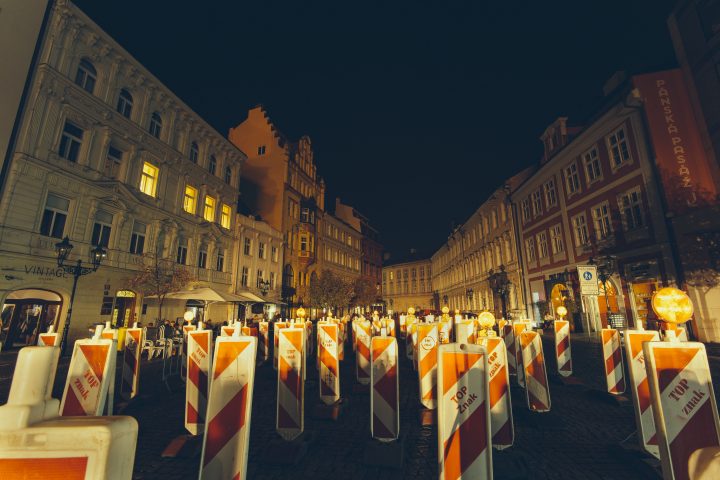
[588,279]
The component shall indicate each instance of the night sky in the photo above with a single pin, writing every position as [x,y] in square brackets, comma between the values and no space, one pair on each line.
[417,110]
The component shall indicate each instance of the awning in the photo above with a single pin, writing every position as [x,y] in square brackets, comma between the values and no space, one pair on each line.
[206,294]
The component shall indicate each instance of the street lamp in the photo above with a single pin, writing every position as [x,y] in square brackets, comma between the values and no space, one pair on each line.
[264,286]
[469,294]
[605,268]
[76,269]
[500,284]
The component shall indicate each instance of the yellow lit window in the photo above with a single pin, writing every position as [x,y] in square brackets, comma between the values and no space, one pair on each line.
[225,216]
[190,200]
[209,213]
[149,179]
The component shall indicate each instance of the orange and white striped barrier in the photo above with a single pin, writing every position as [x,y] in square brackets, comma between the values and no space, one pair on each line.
[465,332]
[501,418]
[249,331]
[290,421]
[131,363]
[536,382]
[329,362]
[199,352]
[342,336]
[362,352]
[92,370]
[227,330]
[309,340]
[562,348]
[49,339]
[444,329]
[613,362]
[409,348]
[263,341]
[684,406]
[508,334]
[276,339]
[402,325]
[385,395]
[353,331]
[227,430]
[518,328]
[640,387]
[501,324]
[464,432]
[427,341]
[681,334]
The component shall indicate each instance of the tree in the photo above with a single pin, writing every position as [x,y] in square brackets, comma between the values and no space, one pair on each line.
[365,292]
[159,277]
[330,291]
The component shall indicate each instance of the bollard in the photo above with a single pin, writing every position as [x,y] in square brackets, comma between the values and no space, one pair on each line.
[640,387]
[290,421]
[329,363]
[199,352]
[535,374]
[501,417]
[384,398]
[427,341]
[613,363]
[131,363]
[90,375]
[562,347]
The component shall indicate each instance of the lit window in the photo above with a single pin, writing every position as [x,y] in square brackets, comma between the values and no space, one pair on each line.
[71,141]
[148,179]
[194,152]
[225,216]
[86,75]
[137,240]
[619,152]
[125,103]
[190,199]
[155,125]
[209,211]
[54,216]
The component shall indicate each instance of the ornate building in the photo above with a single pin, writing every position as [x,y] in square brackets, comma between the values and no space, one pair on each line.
[407,282]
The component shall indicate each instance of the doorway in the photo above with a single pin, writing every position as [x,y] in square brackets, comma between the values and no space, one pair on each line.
[607,298]
[25,314]
[123,313]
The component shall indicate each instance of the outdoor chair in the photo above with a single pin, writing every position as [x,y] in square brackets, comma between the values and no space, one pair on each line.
[150,344]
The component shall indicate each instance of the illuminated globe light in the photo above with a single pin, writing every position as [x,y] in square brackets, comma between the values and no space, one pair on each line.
[301,312]
[672,305]
[562,311]
[411,311]
[188,316]
[445,310]
[486,320]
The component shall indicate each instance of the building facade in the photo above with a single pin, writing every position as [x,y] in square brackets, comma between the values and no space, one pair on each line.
[407,282]
[372,249]
[339,248]
[107,155]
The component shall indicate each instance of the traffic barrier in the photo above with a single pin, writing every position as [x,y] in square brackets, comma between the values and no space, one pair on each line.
[342,336]
[444,329]
[91,372]
[464,431]
[518,328]
[131,363]
[263,342]
[276,339]
[385,396]
[508,334]
[533,361]
[309,340]
[681,333]
[427,341]
[49,339]
[613,362]
[640,387]
[501,418]
[465,332]
[329,362]
[249,331]
[199,348]
[684,406]
[227,431]
[562,348]
[403,326]
[353,340]
[227,330]
[501,324]
[362,352]
[290,421]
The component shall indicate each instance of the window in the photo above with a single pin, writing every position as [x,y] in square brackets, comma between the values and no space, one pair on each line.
[71,141]
[305,214]
[530,249]
[525,211]
[631,209]
[261,250]
[303,243]
[581,230]
[259,278]
[137,239]
[593,171]
[101,229]
[54,216]
[113,162]
[244,276]
[601,220]
[619,152]
[272,280]
[202,256]
[537,203]
[228,175]
[225,214]
[194,152]
[86,75]
[274,253]
[148,179]
[190,199]
[181,256]
[125,103]
[542,244]
[572,179]
[556,240]
[550,195]
[212,164]
[261,150]
[247,246]
[220,261]
[155,125]
[209,210]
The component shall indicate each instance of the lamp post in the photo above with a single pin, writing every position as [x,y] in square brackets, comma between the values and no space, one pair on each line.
[500,284]
[605,268]
[264,286]
[76,269]
[469,293]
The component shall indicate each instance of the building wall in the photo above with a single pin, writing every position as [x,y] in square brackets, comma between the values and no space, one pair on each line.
[339,249]
[372,249]
[91,186]
[408,284]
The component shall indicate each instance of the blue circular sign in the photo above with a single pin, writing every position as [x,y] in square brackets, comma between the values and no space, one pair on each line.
[587,276]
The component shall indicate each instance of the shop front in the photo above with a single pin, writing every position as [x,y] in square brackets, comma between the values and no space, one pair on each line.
[26,313]
[643,281]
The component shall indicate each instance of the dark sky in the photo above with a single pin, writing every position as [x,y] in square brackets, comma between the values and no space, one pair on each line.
[417,109]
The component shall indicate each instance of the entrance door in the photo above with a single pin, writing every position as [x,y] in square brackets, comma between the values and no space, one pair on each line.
[607,298]
[25,314]
[124,308]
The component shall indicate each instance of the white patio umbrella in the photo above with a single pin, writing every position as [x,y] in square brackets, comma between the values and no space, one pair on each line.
[207,295]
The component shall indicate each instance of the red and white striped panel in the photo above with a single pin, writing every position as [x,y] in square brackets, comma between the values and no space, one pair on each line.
[613,362]
[227,431]
[501,325]
[290,421]
[276,339]
[109,334]
[329,362]
[403,326]
[463,413]
[465,332]
[684,406]
[536,382]
[89,376]
[199,351]
[409,349]
[501,419]
[562,348]
[309,340]
[249,331]
[342,336]
[519,327]
[263,341]
[427,345]
[353,332]
[640,387]
[131,363]
[508,335]
[363,334]
[385,397]
[681,333]
[444,329]
[48,340]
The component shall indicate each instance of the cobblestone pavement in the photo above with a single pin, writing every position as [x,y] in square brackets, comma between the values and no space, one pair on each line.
[580,438]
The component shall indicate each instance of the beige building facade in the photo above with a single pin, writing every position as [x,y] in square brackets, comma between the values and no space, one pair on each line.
[339,248]
[408,283]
